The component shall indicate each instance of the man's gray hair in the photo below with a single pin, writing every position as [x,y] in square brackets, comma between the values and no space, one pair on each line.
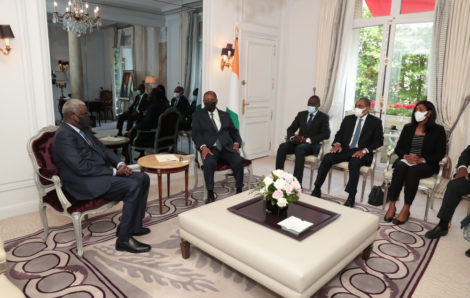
[72,106]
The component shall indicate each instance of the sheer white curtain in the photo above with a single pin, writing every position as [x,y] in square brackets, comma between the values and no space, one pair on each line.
[139,54]
[450,68]
[334,36]
[186,27]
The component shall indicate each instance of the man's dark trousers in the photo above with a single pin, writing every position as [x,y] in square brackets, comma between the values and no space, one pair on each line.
[300,151]
[454,192]
[133,191]
[210,164]
[355,165]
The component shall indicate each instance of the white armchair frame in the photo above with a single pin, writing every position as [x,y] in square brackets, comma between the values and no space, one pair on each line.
[312,161]
[365,171]
[427,185]
[197,169]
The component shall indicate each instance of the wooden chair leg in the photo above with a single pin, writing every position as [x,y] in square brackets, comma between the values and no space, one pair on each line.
[428,198]
[42,212]
[77,227]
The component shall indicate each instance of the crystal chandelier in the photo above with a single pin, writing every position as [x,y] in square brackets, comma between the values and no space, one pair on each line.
[76,18]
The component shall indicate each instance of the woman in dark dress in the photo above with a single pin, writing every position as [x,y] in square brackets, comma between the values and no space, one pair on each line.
[420,148]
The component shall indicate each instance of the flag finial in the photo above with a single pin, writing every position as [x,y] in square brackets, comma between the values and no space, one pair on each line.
[236,32]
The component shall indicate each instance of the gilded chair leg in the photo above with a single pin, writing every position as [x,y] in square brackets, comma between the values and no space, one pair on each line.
[77,227]
[42,212]
[345,174]
[364,181]
[329,180]
[250,176]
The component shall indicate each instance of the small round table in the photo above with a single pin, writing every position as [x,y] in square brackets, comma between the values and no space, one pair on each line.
[149,163]
[118,142]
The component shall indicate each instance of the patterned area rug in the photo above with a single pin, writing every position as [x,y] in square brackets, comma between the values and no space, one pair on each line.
[399,258]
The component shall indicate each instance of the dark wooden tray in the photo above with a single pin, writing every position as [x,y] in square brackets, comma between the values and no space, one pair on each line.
[254,210]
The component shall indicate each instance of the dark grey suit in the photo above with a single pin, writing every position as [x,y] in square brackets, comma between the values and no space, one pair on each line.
[370,138]
[205,133]
[317,131]
[86,173]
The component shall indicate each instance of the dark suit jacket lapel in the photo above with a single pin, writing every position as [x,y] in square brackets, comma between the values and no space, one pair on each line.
[366,125]
[208,118]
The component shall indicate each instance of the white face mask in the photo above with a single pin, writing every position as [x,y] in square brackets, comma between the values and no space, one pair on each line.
[358,112]
[420,116]
[176,94]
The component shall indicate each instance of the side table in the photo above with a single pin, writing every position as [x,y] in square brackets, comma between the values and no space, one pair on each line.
[118,142]
[150,164]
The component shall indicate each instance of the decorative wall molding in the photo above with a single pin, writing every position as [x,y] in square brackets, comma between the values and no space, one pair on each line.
[17,185]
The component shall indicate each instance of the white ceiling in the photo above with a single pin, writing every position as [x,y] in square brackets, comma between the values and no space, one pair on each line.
[160,7]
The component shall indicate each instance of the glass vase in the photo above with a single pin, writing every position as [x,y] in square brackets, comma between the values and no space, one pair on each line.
[274,209]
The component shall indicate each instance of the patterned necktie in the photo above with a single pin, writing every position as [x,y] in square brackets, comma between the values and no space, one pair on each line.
[217,143]
[310,118]
[356,135]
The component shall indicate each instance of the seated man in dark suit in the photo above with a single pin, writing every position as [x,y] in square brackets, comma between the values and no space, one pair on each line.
[217,138]
[181,103]
[89,170]
[457,187]
[313,127]
[135,111]
[358,136]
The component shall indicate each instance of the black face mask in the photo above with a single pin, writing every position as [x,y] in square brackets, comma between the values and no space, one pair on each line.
[210,105]
[84,122]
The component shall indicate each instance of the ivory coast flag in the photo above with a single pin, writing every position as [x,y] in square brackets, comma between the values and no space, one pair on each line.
[233,106]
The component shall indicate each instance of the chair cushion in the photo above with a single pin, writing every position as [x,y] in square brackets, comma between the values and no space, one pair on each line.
[426,182]
[345,165]
[308,159]
[42,149]
[81,206]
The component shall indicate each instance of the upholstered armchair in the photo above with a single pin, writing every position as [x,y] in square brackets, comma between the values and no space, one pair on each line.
[51,193]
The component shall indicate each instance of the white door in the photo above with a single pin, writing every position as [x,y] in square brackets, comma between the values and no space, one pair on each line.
[258,66]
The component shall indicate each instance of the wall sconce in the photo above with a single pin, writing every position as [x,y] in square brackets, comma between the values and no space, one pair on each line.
[63,65]
[227,56]
[61,82]
[6,34]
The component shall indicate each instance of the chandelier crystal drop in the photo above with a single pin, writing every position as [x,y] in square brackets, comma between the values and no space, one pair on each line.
[76,18]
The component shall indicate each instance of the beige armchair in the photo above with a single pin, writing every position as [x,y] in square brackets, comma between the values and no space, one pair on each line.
[365,172]
[311,161]
[427,185]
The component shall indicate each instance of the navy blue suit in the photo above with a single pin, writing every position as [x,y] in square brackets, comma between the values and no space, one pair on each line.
[86,172]
[205,133]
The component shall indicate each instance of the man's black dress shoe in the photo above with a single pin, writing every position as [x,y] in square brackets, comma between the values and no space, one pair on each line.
[350,202]
[143,231]
[437,232]
[210,197]
[239,190]
[467,253]
[132,246]
[316,192]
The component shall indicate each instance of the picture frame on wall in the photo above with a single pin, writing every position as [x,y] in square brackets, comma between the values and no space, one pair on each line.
[126,84]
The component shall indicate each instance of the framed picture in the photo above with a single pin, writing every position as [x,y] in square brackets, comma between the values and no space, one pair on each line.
[126,83]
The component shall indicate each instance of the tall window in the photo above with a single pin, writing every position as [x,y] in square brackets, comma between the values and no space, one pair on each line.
[392,42]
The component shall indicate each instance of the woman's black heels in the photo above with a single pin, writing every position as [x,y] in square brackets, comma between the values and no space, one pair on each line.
[389,219]
[398,222]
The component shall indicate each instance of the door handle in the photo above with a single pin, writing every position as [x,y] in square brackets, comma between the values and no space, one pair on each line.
[243,106]
[243,82]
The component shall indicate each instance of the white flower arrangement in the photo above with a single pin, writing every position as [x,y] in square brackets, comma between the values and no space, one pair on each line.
[280,188]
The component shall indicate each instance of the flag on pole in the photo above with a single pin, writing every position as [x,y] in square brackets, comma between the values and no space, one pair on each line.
[233,106]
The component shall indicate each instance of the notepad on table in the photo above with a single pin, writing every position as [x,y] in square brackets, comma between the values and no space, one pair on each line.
[294,225]
[166,157]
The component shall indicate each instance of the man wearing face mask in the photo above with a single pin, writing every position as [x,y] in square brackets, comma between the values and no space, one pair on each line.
[135,111]
[88,170]
[358,136]
[217,138]
[313,127]
[181,103]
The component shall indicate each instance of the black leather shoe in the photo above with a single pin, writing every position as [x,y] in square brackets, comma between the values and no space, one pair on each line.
[132,246]
[350,202]
[316,192]
[389,219]
[143,231]
[210,197]
[239,190]
[437,232]
[399,222]
[467,253]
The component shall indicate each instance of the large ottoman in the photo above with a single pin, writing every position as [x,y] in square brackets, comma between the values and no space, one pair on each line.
[284,265]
